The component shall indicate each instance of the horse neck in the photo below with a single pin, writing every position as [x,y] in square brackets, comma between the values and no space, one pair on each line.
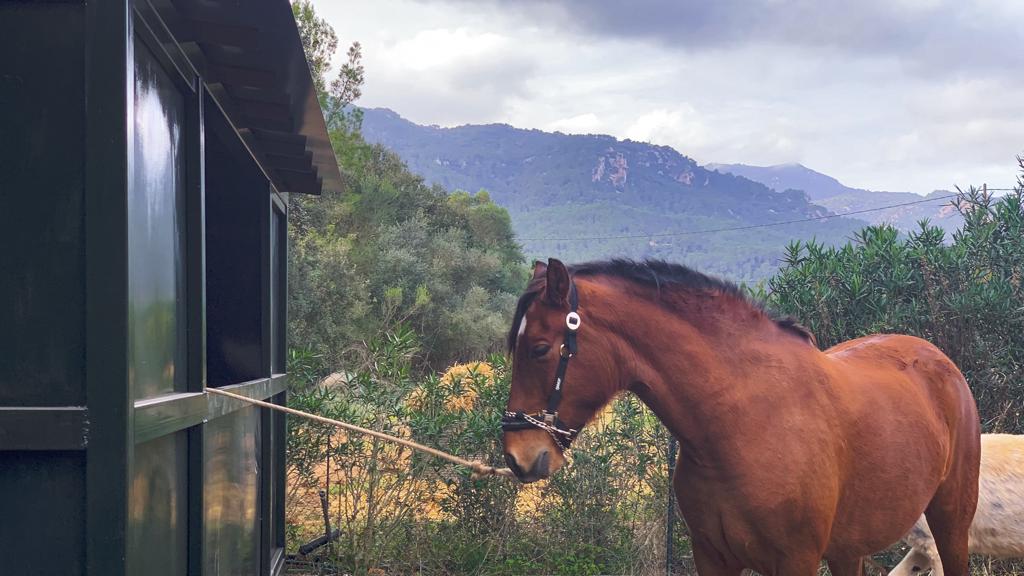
[689,361]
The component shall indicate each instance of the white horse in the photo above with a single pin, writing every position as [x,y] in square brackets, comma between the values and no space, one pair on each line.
[998,526]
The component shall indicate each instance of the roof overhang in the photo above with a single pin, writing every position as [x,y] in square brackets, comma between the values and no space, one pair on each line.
[250,57]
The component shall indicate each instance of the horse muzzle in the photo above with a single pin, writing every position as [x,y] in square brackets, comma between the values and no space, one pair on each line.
[539,469]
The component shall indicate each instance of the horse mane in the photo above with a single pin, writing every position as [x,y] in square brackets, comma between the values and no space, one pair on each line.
[659,275]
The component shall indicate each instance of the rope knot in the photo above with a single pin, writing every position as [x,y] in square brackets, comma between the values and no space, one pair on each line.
[481,470]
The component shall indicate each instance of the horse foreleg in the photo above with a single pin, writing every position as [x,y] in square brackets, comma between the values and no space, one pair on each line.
[709,563]
[801,566]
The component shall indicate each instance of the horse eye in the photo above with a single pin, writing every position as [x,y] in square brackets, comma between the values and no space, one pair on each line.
[540,350]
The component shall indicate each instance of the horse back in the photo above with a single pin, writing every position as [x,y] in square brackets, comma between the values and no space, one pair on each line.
[884,360]
[907,376]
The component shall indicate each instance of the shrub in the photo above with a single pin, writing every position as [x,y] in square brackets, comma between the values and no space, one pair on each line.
[410,512]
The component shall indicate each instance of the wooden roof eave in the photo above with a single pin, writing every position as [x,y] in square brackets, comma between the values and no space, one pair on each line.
[250,56]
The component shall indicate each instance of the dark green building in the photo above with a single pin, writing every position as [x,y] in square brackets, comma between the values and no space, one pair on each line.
[147,151]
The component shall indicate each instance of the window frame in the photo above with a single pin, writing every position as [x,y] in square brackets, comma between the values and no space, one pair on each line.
[189,410]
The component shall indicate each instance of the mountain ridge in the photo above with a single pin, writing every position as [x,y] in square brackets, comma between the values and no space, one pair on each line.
[842,199]
[595,188]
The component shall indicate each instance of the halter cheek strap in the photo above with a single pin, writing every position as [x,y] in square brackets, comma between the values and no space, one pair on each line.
[548,420]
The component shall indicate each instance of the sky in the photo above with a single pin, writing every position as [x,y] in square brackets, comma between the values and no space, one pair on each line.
[896,95]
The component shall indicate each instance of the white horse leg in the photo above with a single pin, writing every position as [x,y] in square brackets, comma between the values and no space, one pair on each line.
[918,562]
[922,556]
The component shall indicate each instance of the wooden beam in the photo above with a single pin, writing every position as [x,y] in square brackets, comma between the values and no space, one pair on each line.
[265,110]
[217,33]
[43,428]
[299,164]
[277,143]
[257,123]
[301,182]
[238,76]
[235,56]
[275,96]
[196,55]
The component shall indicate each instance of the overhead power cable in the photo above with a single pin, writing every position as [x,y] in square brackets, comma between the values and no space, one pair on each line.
[740,228]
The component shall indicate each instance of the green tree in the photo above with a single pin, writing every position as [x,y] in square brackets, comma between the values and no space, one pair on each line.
[337,98]
[390,248]
[319,41]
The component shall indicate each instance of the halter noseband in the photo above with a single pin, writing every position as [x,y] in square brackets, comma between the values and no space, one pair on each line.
[548,420]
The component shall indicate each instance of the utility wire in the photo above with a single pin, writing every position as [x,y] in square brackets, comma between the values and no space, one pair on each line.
[739,228]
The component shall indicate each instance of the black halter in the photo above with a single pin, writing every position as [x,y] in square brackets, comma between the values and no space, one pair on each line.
[548,420]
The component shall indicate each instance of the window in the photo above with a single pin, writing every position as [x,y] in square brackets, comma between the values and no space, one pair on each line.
[156,277]
[158,507]
[230,483]
[278,291]
[236,203]
[157,309]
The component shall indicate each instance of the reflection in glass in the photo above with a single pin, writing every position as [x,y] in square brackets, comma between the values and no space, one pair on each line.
[274,435]
[157,508]
[231,480]
[156,278]
[277,292]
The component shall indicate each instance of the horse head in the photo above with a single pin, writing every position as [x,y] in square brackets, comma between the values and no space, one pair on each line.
[544,414]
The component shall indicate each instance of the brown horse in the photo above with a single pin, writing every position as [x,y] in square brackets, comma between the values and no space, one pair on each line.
[787,454]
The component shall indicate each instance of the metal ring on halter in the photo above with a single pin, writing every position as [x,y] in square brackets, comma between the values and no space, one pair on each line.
[572,321]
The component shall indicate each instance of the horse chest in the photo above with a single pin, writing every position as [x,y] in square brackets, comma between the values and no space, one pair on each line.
[744,521]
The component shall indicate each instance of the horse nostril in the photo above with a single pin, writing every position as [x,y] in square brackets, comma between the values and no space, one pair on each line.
[542,465]
[511,461]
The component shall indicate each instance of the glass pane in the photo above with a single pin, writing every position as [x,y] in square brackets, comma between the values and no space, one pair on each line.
[276,471]
[231,491]
[277,292]
[156,278]
[157,507]
[237,194]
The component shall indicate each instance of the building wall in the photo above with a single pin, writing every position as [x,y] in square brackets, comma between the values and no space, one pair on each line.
[113,458]
[42,130]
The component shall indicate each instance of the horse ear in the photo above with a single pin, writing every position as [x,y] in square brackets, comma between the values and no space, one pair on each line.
[539,269]
[558,282]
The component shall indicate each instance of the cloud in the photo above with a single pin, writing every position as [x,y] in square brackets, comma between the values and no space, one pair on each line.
[680,127]
[888,95]
[928,36]
[587,123]
[461,57]
[472,75]
[430,66]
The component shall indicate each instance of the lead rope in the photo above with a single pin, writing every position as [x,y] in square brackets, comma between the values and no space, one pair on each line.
[479,469]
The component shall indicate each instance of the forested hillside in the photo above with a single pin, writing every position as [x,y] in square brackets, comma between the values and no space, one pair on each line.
[571,186]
